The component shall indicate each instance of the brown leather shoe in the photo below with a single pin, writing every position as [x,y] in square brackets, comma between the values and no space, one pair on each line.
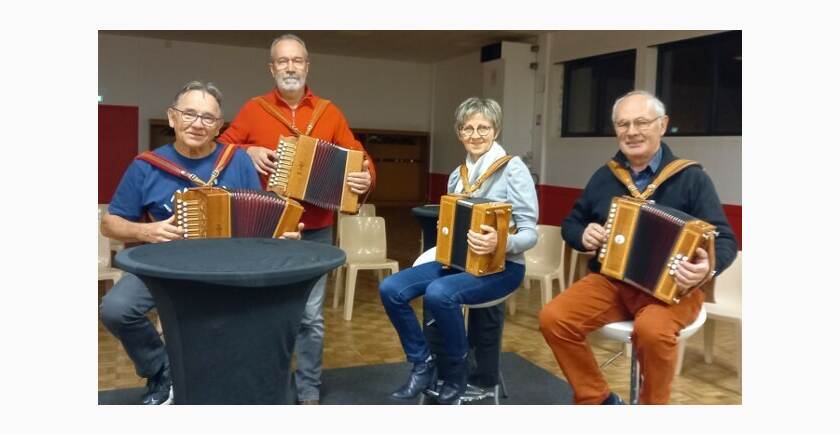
[310,402]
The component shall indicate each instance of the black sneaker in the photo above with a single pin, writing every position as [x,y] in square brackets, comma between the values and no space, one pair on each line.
[613,399]
[159,389]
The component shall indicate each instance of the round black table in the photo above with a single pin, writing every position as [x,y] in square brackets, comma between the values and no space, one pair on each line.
[230,311]
[428,217]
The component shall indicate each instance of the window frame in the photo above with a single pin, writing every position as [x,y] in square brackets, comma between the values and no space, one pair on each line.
[601,105]
[710,42]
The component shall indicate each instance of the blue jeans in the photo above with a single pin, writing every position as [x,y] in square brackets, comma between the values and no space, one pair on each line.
[444,291]
[123,312]
[309,344]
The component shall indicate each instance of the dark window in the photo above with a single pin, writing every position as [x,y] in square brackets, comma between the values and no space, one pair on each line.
[699,80]
[591,86]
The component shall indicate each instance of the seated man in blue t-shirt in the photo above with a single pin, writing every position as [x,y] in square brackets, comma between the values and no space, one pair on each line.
[145,193]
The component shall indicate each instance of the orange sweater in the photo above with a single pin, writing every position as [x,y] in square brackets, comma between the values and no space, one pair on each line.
[253,126]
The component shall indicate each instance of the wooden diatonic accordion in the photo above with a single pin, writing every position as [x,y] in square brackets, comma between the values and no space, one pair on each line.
[315,171]
[213,212]
[646,242]
[460,214]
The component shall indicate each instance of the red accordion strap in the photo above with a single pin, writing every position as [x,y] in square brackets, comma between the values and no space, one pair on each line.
[668,171]
[468,188]
[177,170]
[316,114]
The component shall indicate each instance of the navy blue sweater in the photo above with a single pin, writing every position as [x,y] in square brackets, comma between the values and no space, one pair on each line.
[690,191]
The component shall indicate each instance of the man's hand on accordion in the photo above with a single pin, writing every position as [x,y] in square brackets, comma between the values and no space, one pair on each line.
[293,234]
[483,243]
[690,274]
[264,159]
[359,182]
[593,237]
[160,231]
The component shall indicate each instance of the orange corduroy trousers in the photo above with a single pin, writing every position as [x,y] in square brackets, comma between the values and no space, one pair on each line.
[596,300]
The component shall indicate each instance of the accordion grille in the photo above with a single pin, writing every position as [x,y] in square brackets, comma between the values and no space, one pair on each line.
[656,233]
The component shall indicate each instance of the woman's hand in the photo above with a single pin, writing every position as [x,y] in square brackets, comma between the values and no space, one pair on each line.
[483,243]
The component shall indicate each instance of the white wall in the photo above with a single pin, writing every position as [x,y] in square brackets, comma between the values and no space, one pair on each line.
[372,93]
[455,80]
[569,162]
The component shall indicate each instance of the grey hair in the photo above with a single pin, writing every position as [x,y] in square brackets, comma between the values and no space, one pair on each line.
[207,88]
[485,106]
[658,105]
[288,36]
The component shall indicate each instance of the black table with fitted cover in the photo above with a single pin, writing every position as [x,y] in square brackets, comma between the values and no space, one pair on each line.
[230,311]
[428,217]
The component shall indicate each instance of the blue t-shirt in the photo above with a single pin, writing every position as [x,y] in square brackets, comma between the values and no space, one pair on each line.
[146,188]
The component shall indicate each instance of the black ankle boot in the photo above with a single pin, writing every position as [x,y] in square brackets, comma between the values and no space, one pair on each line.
[455,386]
[423,375]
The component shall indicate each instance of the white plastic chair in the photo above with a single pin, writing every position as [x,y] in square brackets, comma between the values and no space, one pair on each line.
[622,331]
[365,244]
[544,262]
[727,307]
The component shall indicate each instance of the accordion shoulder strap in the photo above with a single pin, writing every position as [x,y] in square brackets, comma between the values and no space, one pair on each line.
[316,114]
[668,171]
[470,188]
[177,170]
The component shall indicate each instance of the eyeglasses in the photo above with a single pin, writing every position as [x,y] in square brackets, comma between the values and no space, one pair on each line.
[283,62]
[190,117]
[467,131]
[641,124]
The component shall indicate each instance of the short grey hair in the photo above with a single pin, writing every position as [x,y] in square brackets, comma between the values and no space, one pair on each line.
[288,36]
[658,105]
[485,106]
[207,88]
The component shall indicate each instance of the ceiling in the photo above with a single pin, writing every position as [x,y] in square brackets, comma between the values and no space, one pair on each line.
[405,45]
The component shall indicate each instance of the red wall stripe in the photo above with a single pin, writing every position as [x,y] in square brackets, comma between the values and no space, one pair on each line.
[117,146]
[556,202]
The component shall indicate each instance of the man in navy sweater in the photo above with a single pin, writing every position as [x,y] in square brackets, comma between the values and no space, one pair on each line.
[640,122]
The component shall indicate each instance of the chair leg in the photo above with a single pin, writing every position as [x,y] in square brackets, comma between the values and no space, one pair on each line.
[526,284]
[339,274]
[350,292]
[547,290]
[709,341]
[635,377]
[680,356]
[511,304]
[380,274]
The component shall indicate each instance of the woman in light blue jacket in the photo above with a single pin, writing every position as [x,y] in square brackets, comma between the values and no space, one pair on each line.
[477,122]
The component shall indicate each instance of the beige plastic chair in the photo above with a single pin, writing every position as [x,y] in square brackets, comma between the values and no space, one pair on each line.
[544,262]
[727,307]
[364,210]
[577,263]
[106,272]
[365,244]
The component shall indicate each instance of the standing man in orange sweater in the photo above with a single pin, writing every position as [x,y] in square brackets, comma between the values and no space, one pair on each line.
[290,111]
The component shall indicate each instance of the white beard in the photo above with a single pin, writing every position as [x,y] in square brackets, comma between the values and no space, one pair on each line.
[290,83]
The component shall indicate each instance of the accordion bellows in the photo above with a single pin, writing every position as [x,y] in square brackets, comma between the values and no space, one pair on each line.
[213,212]
[315,171]
[646,242]
[457,216]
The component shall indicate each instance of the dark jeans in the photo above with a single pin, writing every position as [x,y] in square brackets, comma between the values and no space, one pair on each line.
[443,291]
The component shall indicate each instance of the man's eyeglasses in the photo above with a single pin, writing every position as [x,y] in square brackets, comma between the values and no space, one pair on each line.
[283,62]
[482,130]
[641,124]
[190,117]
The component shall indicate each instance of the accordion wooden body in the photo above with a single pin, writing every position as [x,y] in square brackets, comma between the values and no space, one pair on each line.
[458,215]
[212,212]
[646,243]
[315,171]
